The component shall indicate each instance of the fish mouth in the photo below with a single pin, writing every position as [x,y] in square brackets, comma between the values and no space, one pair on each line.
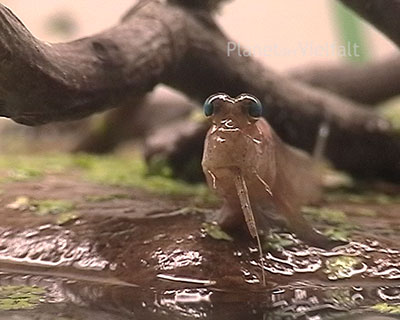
[228,129]
[238,132]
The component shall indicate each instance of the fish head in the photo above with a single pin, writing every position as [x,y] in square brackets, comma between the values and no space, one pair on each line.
[234,139]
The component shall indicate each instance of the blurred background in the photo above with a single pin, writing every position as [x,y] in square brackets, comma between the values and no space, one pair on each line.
[312,23]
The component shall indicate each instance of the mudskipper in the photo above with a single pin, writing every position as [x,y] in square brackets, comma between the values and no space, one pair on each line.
[263,182]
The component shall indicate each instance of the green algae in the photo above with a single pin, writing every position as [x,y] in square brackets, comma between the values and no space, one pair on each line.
[215,231]
[336,223]
[30,167]
[63,210]
[326,215]
[131,171]
[20,297]
[338,233]
[391,111]
[50,206]
[65,217]
[361,197]
[158,166]
[116,170]
[387,308]
[107,197]
[341,267]
[21,203]
[275,241]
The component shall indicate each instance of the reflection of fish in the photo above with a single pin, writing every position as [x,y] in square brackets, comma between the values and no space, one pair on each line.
[255,172]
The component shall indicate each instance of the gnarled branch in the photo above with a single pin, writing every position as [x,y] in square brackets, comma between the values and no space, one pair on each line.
[370,84]
[157,42]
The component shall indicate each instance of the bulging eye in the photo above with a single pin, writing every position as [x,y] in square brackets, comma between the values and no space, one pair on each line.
[214,102]
[255,108]
[208,108]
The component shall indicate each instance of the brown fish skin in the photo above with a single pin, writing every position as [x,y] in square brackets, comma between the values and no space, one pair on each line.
[280,179]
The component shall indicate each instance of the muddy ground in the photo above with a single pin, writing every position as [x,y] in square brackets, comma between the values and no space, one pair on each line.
[99,236]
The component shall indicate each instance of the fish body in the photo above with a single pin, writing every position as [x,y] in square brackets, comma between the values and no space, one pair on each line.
[278,178]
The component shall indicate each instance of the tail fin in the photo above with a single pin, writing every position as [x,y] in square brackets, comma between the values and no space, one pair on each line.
[305,170]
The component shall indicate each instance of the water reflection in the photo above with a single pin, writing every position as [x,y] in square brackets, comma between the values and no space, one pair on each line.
[122,271]
[302,300]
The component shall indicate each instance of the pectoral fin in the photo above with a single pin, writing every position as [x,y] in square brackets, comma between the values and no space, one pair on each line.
[244,199]
[243,194]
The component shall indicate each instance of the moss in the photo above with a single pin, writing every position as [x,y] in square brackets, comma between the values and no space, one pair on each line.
[341,296]
[337,225]
[20,297]
[107,197]
[387,308]
[122,170]
[364,212]
[361,197]
[391,111]
[275,241]
[215,232]
[62,209]
[22,203]
[46,207]
[132,171]
[66,217]
[158,165]
[327,215]
[24,167]
[341,267]
[338,233]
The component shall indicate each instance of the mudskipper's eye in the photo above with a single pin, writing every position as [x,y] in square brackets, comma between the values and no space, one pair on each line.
[255,108]
[208,108]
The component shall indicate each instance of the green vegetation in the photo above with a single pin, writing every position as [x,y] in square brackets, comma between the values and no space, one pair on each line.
[28,167]
[387,308]
[107,197]
[275,241]
[341,267]
[46,207]
[122,170]
[361,197]
[132,171]
[66,217]
[159,166]
[215,232]
[391,111]
[20,297]
[337,226]
[327,215]
[62,209]
[42,207]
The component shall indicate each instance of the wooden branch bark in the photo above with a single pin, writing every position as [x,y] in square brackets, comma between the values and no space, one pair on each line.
[157,42]
[42,82]
[383,14]
[369,84]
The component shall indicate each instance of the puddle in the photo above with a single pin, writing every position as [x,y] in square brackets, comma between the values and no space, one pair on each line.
[65,298]
[151,257]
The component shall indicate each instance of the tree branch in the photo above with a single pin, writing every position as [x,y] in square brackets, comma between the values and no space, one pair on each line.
[41,82]
[158,42]
[383,14]
[369,84]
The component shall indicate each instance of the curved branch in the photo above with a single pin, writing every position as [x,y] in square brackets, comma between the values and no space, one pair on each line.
[157,42]
[383,14]
[42,82]
[369,84]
